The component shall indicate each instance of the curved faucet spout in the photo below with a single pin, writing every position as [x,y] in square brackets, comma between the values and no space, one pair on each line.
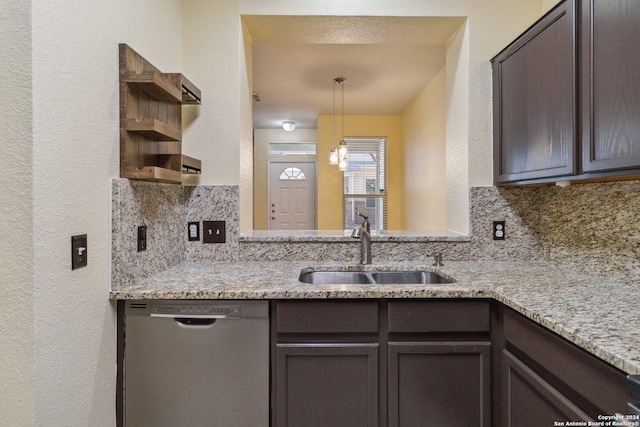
[363,233]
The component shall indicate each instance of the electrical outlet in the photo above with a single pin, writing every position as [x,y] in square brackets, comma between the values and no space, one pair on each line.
[498,230]
[142,238]
[193,231]
[78,251]
[213,232]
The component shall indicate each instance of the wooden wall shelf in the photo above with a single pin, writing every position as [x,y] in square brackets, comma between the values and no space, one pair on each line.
[154,173]
[151,120]
[153,129]
[190,93]
[156,85]
[191,165]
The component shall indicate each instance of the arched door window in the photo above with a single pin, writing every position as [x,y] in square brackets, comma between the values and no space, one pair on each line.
[292,173]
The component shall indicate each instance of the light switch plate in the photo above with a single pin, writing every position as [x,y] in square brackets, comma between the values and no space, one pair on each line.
[79,251]
[142,238]
[214,232]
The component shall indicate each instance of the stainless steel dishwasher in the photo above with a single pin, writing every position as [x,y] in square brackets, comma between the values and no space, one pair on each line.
[196,363]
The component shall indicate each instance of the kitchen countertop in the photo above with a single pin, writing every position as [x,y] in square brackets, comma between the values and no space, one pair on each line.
[286,236]
[594,312]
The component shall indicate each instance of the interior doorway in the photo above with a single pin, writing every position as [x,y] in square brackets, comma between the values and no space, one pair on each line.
[292,196]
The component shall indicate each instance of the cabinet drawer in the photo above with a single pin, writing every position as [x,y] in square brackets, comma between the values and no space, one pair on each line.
[327,317]
[439,316]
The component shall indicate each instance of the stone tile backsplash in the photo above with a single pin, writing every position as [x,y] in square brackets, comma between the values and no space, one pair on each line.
[213,203]
[519,207]
[593,226]
[165,209]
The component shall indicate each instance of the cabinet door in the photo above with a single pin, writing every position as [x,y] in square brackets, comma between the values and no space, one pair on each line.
[530,401]
[534,100]
[326,385]
[610,84]
[439,384]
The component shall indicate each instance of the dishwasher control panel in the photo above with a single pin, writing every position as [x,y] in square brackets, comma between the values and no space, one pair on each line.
[187,310]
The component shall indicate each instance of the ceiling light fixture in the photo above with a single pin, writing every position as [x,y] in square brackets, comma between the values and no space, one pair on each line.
[339,155]
[288,126]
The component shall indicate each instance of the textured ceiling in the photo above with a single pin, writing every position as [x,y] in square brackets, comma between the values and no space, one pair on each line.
[387,61]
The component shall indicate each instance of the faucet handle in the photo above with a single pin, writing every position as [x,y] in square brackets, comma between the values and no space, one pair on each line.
[366,218]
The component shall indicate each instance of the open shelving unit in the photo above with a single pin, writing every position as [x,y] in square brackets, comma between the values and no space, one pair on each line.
[151,120]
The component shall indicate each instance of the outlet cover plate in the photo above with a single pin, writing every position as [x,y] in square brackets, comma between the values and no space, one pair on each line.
[214,232]
[78,251]
[193,231]
[498,230]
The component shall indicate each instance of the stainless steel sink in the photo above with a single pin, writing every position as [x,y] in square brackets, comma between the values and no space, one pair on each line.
[409,277]
[335,277]
[375,277]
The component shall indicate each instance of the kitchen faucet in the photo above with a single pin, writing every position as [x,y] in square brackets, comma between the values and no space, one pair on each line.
[363,232]
[437,259]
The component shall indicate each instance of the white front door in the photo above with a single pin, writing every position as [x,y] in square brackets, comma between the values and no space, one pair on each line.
[292,196]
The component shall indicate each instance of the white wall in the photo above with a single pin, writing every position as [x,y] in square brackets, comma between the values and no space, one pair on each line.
[75,155]
[16,216]
[213,55]
[424,135]
[458,171]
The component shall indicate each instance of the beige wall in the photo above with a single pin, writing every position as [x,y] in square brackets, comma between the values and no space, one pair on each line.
[424,134]
[262,139]
[549,4]
[330,184]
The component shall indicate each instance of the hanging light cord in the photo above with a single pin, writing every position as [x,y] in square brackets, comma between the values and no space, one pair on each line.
[334,110]
[342,84]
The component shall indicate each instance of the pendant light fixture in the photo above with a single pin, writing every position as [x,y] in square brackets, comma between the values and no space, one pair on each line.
[339,155]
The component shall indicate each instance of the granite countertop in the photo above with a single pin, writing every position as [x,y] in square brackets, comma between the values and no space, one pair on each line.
[286,236]
[597,313]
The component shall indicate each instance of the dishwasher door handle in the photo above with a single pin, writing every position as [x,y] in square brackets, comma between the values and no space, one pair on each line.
[195,316]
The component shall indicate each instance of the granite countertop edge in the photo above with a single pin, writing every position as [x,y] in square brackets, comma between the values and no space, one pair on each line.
[596,313]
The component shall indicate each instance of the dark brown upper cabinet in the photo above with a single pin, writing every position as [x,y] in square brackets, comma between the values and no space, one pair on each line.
[534,81]
[565,96]
[610,85]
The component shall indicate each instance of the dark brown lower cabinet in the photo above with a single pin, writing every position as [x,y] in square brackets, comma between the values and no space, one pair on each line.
[327,385]
[439,384]
[531,401]
[381,363]
[431,362]
[546,378]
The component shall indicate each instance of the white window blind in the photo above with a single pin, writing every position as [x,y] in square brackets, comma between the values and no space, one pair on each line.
[365,182]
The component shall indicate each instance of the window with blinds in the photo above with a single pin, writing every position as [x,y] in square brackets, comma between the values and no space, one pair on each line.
[365,182]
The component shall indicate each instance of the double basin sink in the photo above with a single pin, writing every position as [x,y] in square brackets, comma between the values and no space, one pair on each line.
[419,277]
